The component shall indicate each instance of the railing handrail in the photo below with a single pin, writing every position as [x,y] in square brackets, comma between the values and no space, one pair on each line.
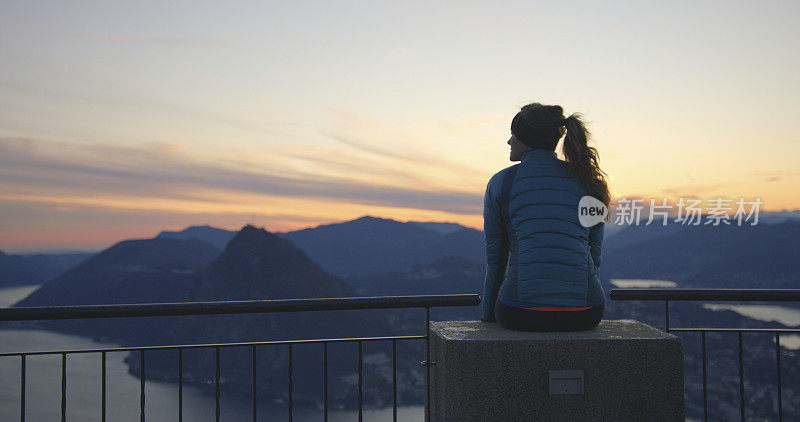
[235,307]
[737,295]
[721,295]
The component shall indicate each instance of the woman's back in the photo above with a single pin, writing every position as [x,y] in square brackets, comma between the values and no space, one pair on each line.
[550,259]
[540,259]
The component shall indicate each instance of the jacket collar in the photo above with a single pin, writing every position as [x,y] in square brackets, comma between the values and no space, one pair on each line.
[538,154]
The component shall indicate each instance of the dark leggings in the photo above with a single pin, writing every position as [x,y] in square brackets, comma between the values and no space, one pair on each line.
[520,319]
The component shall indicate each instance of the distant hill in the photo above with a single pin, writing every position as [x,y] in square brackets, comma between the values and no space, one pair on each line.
[777,217]
[215,237]
[445,276]
[451,275]
[20,270]
[761,256]
[617,236]
[257,264]
[367,245]
[132,271]
[633,233]
[442,228]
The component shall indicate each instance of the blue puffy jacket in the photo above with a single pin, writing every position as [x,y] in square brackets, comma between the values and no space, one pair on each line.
[544,257]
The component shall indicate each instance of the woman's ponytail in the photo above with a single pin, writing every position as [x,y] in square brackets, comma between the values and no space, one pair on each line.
[583,159]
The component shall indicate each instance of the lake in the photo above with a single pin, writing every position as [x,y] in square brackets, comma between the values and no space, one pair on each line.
[789,317]
[640,283]
[43,386]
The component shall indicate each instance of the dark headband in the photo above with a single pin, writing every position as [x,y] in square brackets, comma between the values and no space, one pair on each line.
[534,137]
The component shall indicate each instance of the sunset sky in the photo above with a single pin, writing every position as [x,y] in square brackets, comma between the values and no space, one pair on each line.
[120,119]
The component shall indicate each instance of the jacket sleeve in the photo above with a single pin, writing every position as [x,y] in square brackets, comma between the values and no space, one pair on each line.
[596,242]
[496,246]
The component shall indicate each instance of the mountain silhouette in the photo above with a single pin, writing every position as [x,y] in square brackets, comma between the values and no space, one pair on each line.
[370,245]
[366,245]
[132,271]
[19,270]
[760,256]
[257,264]
[441,228]
[451,275]
[215,237]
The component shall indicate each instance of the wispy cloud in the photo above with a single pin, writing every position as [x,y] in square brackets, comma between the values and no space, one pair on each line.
[776,175]
[344,163]
[695,189]
[356,130]
[153,107]
[31,166]
[413,158]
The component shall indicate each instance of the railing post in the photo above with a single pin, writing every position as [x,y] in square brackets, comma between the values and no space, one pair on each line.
[741,377]
[22,391]
[394,380]
[705,390]
[360,382]
[103,370]
[255,390]
[778,360]
[325,381]
[141,380]
[63,387]
[216,381]
[291,392]
[427,364]
[180,385]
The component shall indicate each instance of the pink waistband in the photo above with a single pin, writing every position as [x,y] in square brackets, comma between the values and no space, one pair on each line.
[547,308]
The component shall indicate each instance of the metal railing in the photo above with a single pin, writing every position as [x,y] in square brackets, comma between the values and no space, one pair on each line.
[718,295]
[235,307]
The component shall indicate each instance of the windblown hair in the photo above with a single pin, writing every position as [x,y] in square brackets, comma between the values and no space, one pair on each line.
[542,129]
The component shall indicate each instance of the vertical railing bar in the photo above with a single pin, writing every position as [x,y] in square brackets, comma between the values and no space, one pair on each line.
[394,380]
[180,384]
[325,381]
[666,308]
[705,390]
[141,382]
[255,390]
[741,378]
[360,382]
[22,389]
[291,397]
[103,387]
[216,381]
[63,387]
[778,360]
[427,363]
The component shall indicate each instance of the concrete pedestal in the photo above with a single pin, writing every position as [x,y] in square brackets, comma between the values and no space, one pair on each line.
[620,371]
